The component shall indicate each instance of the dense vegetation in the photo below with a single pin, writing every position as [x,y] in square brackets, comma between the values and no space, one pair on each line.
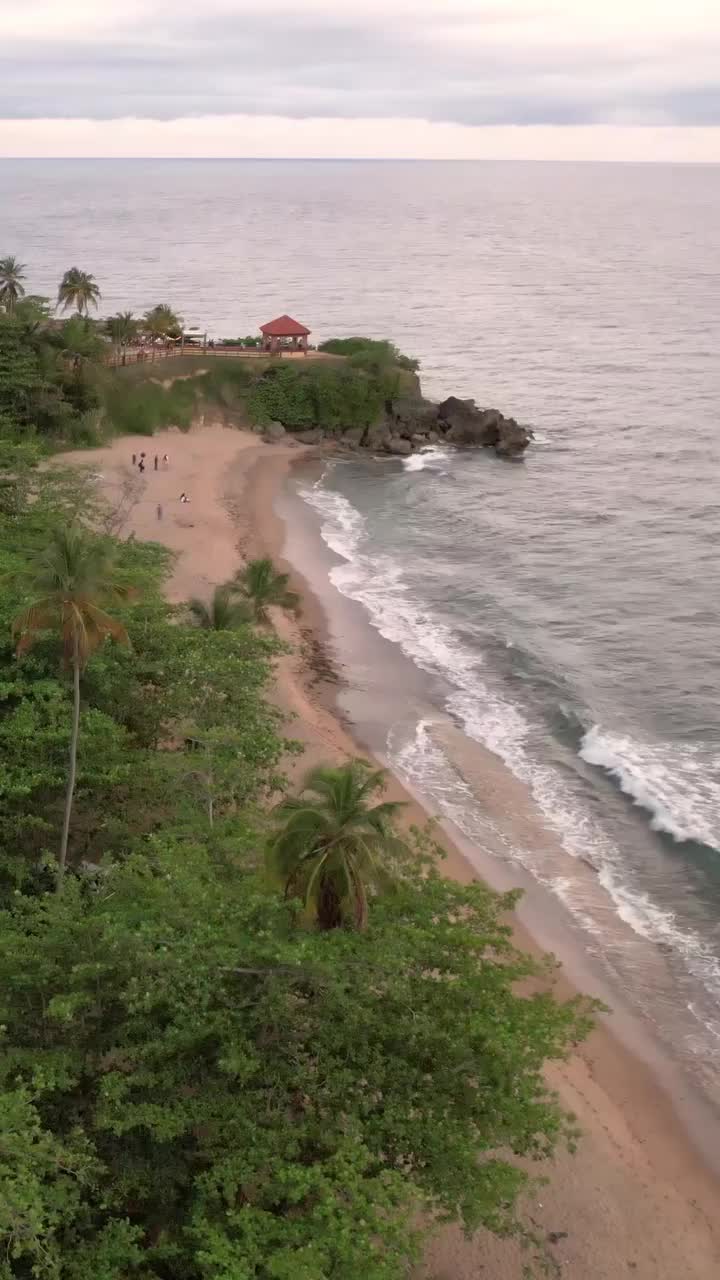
[370,353]
[246,1036]
[56,386]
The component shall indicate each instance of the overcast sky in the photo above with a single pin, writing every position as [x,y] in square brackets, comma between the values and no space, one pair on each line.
[537,78]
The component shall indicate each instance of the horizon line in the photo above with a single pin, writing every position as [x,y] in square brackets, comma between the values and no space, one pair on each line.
[370,160]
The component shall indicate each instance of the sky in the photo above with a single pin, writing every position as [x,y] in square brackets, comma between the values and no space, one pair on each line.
[535,79]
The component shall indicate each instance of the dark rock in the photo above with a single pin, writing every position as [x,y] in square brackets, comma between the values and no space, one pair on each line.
[465,424]
[273,431]
[354,436]
[310,437]
[396,444]
[513,439]
[409,417]
[377,436]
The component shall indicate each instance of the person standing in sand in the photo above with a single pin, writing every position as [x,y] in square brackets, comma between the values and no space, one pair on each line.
[134,459]
[166,459]
[156,462]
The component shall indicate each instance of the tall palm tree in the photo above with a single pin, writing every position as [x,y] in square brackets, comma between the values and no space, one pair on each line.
[71,576]
[122,328]
[222,613]
[263,586]
[79,290]
[12,273]
[331,846]
[162,322]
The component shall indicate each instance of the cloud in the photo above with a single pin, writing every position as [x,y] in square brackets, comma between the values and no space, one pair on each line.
[522,62]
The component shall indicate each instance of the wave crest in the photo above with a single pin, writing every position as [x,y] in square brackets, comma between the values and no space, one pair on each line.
[673,783]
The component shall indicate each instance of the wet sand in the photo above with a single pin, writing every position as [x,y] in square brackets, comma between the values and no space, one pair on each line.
[637,1198]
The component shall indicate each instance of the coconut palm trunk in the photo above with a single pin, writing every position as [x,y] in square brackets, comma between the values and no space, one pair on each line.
[72,771]
[71,575]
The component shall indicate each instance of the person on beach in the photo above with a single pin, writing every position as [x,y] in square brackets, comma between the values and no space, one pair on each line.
[184,497]
[156,462]
[141,466]
[166,459]
[134,459]
[159,511]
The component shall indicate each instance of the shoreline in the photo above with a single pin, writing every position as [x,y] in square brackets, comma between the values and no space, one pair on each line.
[644,1112]
[636,1166]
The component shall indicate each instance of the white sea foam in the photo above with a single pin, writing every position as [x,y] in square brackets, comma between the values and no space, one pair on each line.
[377,582]
[429,458]
[676,784]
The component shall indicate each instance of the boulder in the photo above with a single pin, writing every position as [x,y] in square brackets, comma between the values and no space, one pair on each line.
[398,445]
[513,439]
[310,437]
[354,436]
[410,417]
[274,431]
[465,424]
[377,436]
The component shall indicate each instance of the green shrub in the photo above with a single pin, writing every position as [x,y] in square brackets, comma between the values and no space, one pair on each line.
[334,397]
[370,353]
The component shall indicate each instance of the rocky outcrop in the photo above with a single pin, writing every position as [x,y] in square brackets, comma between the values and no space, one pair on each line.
[409,424]
[418,422]
[399,445]
[314,436]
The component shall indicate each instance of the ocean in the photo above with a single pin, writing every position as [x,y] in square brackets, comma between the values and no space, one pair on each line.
[562,613]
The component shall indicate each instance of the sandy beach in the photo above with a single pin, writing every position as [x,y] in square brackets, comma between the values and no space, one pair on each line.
[637,1198]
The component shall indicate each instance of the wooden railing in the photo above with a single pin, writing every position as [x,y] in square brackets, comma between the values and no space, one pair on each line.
[149,355]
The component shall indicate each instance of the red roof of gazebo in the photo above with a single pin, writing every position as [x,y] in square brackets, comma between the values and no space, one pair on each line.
[284,327]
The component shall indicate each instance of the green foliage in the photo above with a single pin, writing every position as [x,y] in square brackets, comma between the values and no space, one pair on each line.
[78,289]
[122,329]
[12,274]
[301,396]
[219,1094]
[331,847]
[222,613]
[370,353]
[45,388]
[72,575]
[137,400]
[162,322]
[263,586]
[148,406]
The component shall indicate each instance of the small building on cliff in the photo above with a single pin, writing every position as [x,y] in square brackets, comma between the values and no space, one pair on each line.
[284,334]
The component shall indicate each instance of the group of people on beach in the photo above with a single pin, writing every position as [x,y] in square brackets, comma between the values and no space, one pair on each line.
[139,462]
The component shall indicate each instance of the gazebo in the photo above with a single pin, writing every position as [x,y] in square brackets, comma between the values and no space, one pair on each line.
[284,333]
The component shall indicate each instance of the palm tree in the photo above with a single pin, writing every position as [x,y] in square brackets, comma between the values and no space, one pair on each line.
[12,273]
[79,290]
[71,575]
[122,328]
[222,613]
[331,846]
[162,322]
[263,586]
